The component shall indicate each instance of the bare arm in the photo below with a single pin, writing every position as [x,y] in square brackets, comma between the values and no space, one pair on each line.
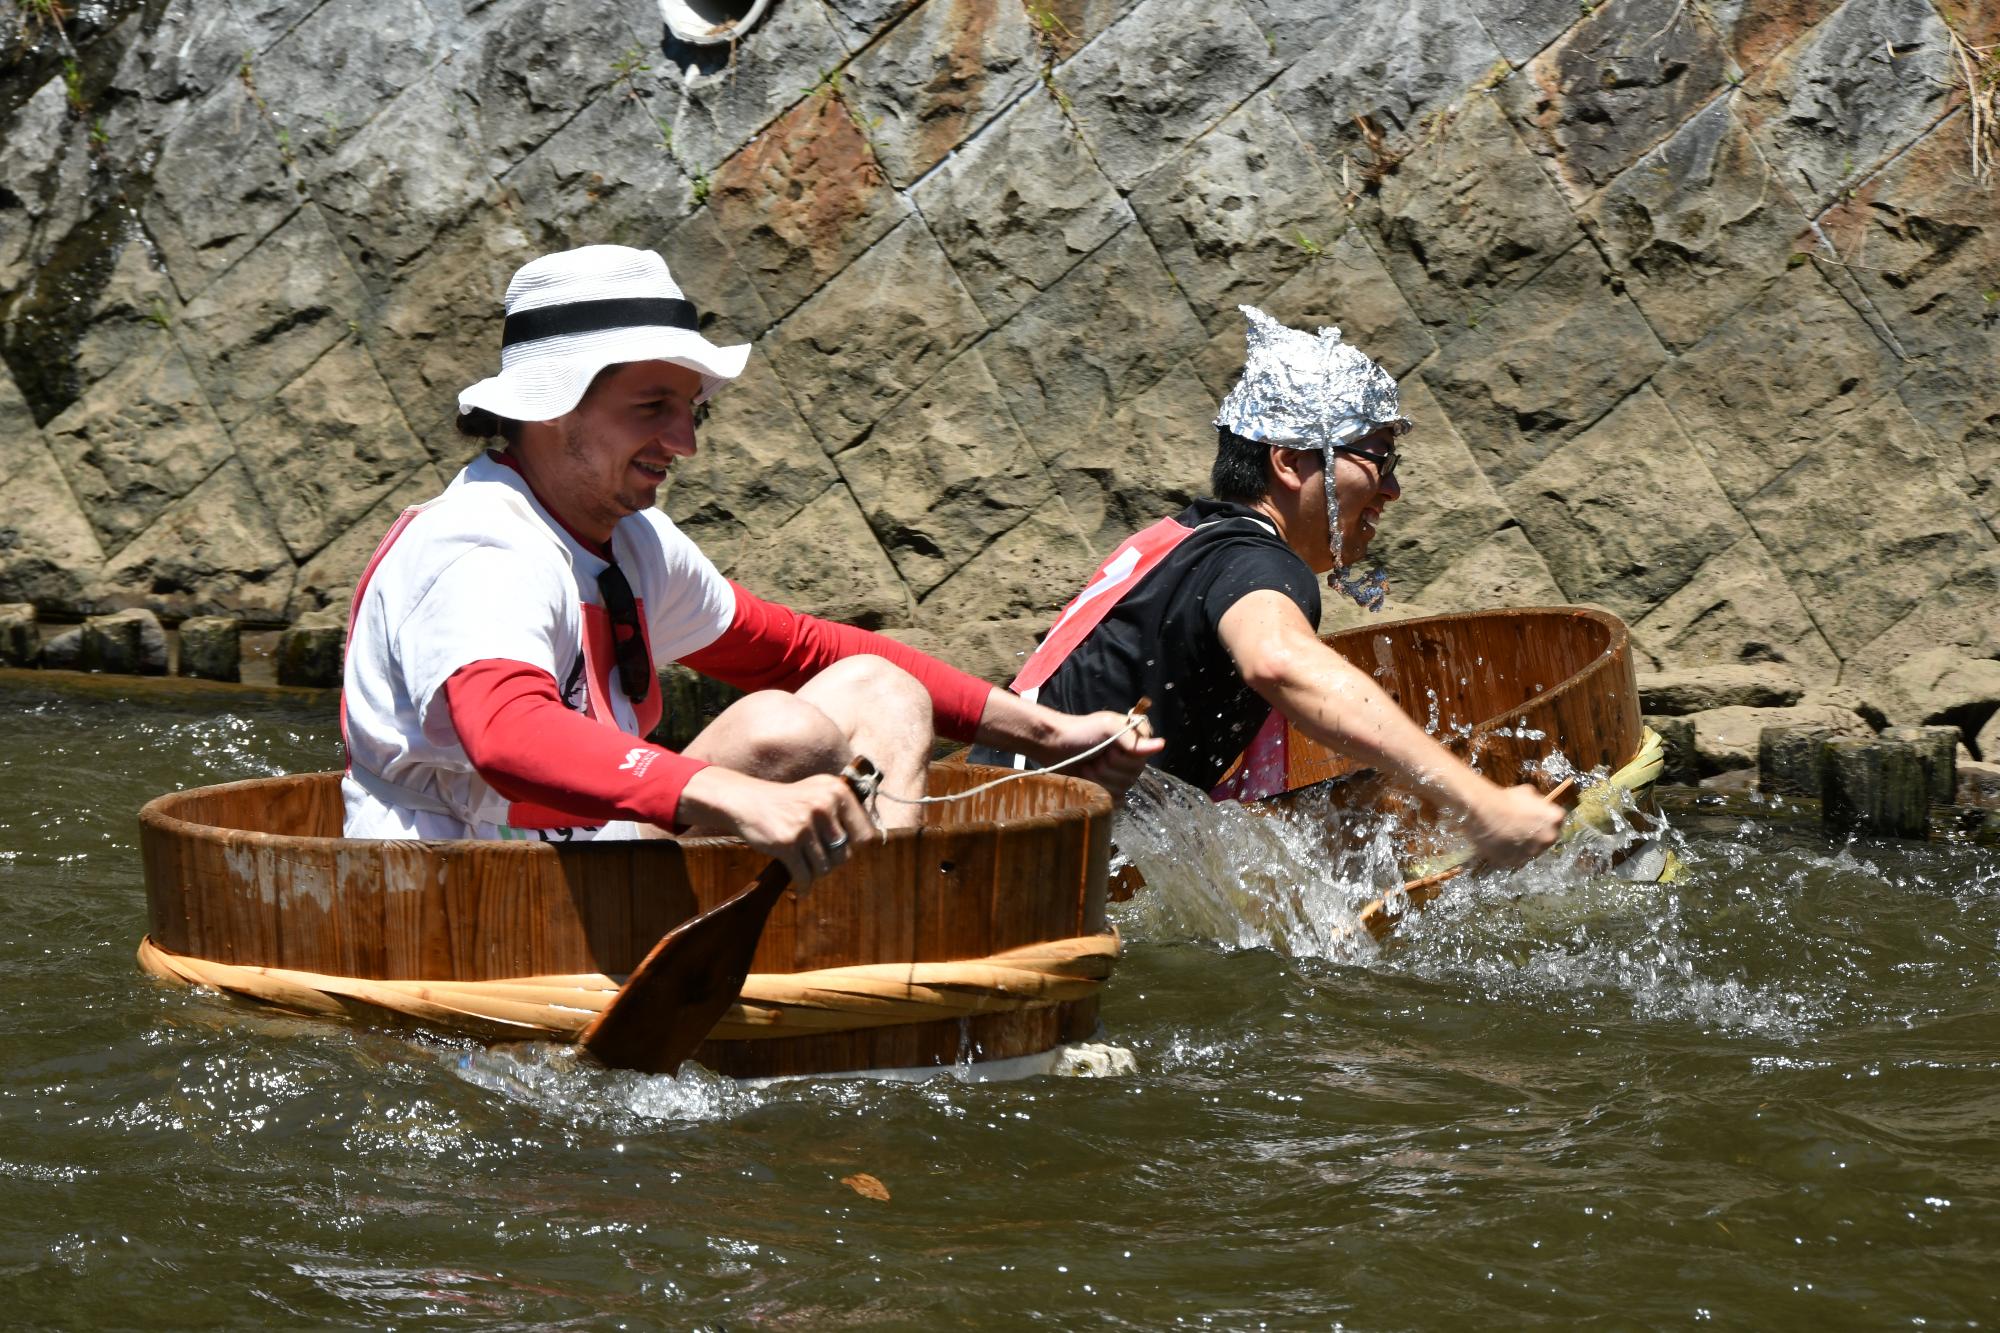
[1010,722]
[1338,705]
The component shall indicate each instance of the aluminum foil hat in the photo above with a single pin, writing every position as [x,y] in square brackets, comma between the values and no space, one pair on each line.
[1307,391]
[1313,391]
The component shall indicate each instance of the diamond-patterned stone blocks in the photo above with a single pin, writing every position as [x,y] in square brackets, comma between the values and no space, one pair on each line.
[1693,304]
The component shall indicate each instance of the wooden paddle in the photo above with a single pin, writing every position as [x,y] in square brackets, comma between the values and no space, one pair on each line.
[1378,920]
[687,982]
[691,977]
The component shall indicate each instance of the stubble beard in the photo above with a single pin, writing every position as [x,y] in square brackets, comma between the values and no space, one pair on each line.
[625,497]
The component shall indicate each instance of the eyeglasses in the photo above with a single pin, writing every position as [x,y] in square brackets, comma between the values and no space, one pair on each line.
[628,640]
[1383,461]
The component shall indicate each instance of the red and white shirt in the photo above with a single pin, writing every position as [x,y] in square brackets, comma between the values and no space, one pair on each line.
[485,573]
[482,696]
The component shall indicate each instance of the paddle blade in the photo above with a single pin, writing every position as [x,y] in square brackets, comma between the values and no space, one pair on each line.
[679,991]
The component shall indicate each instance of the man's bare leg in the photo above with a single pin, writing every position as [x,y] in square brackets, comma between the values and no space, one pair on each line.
[885,713]
[862,705]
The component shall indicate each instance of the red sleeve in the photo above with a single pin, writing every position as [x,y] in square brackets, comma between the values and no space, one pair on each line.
[772,647]
[520,738]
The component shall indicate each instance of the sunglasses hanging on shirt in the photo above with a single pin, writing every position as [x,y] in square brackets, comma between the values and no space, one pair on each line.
[628,640]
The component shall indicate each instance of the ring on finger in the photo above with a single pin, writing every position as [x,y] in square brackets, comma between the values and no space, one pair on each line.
[837,844]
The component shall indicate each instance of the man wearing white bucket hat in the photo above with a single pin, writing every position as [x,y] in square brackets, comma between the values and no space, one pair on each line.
[1213,613]
[503,645]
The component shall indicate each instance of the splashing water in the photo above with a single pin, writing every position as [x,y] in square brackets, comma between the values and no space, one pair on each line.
[559,1081]
[1583,921]
[1266,877]
[1219,872]
[1584,930]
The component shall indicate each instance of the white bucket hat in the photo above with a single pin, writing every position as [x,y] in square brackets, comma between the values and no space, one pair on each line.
[570,315]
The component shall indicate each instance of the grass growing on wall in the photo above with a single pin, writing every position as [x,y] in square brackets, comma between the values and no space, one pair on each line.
[42,15]
[1979,75]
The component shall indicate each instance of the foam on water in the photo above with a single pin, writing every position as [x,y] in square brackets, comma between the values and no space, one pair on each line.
[1561,933]
[559,1081]
[556,1081]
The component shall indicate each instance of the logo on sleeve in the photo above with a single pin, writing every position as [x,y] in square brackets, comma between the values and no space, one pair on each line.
[638,759]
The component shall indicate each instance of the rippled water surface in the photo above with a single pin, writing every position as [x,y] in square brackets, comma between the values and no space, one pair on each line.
[1765,1097]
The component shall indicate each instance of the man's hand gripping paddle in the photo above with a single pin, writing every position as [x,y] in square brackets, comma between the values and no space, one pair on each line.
[1379,917]
[682,988]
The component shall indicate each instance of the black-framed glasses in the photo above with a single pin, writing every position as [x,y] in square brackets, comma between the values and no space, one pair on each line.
[1382,460]
[628,639]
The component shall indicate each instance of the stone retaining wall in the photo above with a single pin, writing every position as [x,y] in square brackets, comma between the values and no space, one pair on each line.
[1697,302]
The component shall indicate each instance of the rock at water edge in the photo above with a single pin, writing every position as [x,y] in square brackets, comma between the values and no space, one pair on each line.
[1726,685]
[211,648]
[20,645]
[1791,759]
[125,643]
[309,653]
[1939,748]
[1681,765]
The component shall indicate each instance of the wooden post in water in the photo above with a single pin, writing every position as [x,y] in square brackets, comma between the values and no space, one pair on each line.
[1873,785]
[1938,749]
[1791,760]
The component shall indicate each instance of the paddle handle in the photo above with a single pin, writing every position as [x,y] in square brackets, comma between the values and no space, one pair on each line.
[690,978]
[1378,920]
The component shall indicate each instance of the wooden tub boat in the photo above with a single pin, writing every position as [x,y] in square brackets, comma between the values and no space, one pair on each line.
[1503,690]
[1506,691]
[979,936]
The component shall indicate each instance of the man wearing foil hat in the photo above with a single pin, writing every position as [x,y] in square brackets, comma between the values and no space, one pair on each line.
[502,651]
[1213,613]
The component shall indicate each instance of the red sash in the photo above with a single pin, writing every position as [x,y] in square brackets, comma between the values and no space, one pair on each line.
[1136,557]
[1261,770]
[599,655]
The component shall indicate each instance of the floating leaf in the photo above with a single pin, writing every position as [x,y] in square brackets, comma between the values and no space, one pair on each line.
[866,1186]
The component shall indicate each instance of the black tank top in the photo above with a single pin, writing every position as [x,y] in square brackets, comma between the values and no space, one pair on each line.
[1161,641]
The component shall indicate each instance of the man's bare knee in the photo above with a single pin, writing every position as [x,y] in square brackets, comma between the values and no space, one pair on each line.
[874,687]
[773,735]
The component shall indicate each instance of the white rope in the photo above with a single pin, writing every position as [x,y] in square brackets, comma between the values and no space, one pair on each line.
[868,782]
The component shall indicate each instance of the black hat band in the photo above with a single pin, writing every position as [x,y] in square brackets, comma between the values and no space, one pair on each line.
[618,312]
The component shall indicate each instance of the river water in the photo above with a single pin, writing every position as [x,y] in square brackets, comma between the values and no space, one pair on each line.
[1764,1097]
